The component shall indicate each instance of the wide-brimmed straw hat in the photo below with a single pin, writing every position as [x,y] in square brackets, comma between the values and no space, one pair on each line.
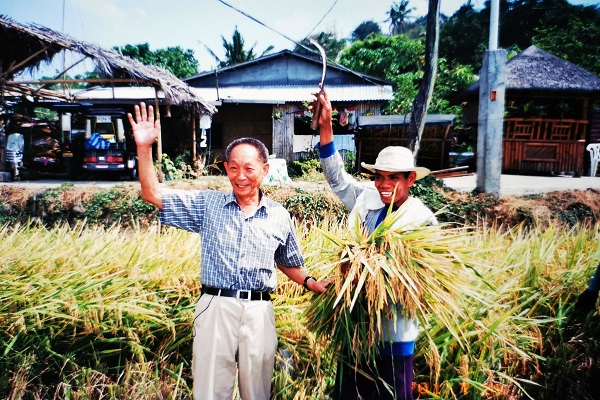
[396,159]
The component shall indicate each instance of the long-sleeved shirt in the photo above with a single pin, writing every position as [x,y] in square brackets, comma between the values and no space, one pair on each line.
[364,201]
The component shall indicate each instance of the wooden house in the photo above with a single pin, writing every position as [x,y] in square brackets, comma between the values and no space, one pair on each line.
[376,132]
[548,113]
[266,98]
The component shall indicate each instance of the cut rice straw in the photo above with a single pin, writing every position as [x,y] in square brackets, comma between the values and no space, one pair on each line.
[428,270]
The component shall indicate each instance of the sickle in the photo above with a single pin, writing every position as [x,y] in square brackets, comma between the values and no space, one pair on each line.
[317,106]
[323,58]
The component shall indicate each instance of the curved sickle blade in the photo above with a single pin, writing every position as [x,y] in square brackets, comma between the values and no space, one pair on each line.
[323,58]
[317,106]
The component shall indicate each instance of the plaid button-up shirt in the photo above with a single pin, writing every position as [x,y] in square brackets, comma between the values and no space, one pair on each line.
[238,252]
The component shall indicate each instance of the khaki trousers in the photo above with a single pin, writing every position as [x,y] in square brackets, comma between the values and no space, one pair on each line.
[227,330]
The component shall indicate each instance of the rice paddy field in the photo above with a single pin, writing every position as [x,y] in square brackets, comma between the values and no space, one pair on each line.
[102,312]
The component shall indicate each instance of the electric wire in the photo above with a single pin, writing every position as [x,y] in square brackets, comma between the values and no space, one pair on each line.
[265,25]
[321,20]
[329,61]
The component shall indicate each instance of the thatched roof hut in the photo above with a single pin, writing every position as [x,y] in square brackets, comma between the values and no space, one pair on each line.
[536,71]
[547,113]
[25,47]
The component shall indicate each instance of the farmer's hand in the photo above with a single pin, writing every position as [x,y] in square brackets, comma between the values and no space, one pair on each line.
[325,111]
[324,116]
[145,127]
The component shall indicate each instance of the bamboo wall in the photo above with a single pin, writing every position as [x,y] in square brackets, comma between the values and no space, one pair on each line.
[536,145]
[433,151]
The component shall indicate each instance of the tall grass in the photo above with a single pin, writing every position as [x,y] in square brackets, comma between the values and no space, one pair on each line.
[88,307]
[88,312]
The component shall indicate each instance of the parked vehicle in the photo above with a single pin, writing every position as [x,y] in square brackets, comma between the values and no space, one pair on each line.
[108,150]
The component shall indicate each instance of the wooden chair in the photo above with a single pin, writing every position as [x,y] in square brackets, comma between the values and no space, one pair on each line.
[594,149]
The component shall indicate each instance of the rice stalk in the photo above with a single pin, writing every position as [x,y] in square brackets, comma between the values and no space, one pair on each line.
[427,269]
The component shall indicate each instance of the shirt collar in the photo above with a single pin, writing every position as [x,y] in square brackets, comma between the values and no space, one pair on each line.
[230,199]
[373,200]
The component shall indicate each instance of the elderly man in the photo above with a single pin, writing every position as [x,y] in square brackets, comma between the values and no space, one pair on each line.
[394,172]
[244,236]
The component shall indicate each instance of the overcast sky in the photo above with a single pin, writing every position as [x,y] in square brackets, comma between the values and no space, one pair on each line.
[195,24]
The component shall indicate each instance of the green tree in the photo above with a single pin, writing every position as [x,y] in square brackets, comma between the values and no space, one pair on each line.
[235,52]
[384,56]
[398,16]
[140,52]
[400,60]
[328,40]
[59,86]
[464,37]
[577,42]
[365,29]
[181,63]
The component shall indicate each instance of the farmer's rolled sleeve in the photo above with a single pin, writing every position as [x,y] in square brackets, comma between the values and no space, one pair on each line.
[238,252]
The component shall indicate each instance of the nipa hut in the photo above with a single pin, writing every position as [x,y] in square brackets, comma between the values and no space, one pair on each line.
[548,113]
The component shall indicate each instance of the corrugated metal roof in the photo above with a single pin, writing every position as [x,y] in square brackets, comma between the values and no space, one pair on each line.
[372,120]
[122,93]
[284,94]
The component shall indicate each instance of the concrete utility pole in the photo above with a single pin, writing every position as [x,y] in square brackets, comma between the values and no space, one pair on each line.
[491,111]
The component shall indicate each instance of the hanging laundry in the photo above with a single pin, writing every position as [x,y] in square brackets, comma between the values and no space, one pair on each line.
[343,118]
[351,118]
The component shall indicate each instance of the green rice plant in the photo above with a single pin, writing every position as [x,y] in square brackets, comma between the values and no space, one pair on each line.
[106,312]
[508,354]
[494,346]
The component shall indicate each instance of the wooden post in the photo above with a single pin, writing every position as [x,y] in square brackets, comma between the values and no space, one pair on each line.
[159,138]
[194,155]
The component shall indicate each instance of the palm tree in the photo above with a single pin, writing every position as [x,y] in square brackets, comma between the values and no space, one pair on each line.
[399,14]
[235,52]
[332,45]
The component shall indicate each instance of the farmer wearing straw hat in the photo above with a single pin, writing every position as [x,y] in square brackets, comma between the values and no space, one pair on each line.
[394,172]
[244,237]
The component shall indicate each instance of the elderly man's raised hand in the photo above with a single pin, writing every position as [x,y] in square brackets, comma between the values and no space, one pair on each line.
[145,127]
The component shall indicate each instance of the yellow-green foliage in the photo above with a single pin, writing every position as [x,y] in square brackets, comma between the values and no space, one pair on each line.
[90,312]
[494,346]
[90,298]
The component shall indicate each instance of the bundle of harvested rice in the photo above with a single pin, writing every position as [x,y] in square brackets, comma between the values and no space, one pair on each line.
[428,270]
